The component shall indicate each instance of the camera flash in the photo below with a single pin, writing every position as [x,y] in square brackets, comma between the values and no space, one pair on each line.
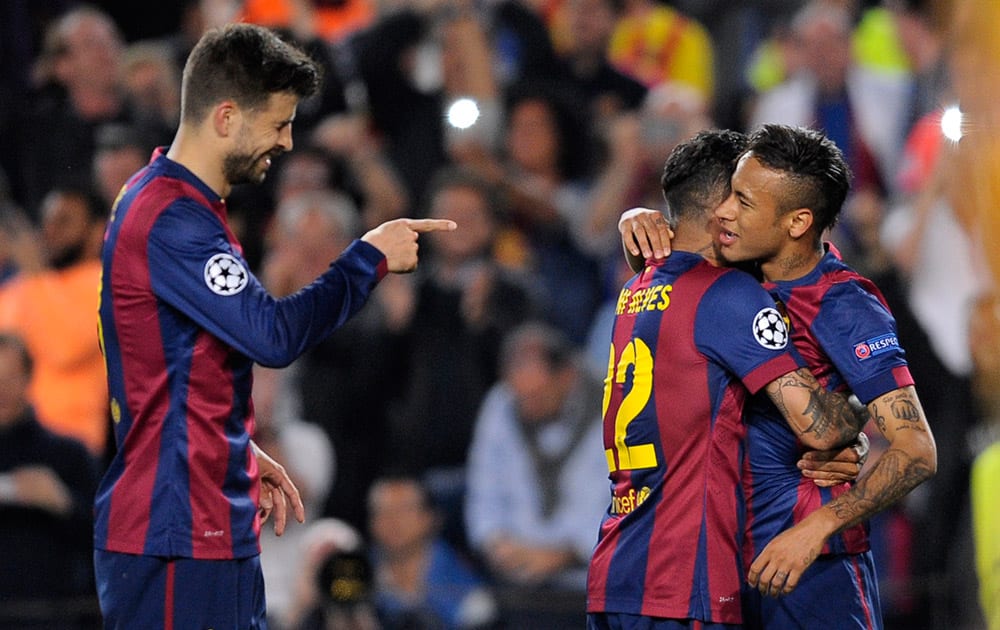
[951,123]
[463,113]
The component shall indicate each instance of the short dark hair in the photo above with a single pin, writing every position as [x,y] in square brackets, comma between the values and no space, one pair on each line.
[818,176]
[247,63]
[9,341]
[696,176]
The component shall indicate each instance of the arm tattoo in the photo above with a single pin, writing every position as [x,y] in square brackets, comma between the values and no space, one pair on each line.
[903,409]
[820,422]
[827,411]
[880,419]
[894,475]
[896,472]
[906,410]
[783,383]
[838,415]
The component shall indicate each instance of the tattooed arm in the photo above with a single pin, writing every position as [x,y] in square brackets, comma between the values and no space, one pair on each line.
[910,460]
[821,419]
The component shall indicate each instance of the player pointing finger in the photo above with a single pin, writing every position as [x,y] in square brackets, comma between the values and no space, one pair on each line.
[397,240]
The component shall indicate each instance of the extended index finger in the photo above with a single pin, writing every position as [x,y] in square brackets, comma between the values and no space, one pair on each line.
[431,225]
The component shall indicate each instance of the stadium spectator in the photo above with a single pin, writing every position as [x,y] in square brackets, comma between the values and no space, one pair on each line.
[463,304]
[535,468]
[79,88]
[52,305]
[47,485]
[421,582]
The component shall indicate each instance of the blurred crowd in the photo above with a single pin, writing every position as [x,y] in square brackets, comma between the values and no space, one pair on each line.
[447,439]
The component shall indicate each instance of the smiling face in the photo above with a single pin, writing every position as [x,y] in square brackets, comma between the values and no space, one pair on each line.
[754,223]
[264,133]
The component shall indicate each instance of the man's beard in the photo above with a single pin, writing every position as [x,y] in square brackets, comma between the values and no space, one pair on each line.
[244,168]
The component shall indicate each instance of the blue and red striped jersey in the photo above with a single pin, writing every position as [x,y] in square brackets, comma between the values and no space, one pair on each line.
[689,341]
[182,320]
[846,335]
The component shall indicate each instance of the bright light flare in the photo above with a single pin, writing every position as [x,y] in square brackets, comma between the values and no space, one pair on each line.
[463,113]
[951,123]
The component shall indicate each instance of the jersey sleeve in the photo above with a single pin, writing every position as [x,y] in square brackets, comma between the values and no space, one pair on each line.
[859,335]
[196,270]
[739,327]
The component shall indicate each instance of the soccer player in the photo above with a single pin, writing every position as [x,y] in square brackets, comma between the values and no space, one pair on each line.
[787,189]
[691,341]
[182,320]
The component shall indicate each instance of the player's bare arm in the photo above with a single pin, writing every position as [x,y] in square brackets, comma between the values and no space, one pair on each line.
[910,460]
[820,418]
[645,234]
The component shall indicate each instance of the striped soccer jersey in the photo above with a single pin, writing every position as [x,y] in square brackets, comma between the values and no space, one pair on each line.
[182,320]
[689,341]
[845,333]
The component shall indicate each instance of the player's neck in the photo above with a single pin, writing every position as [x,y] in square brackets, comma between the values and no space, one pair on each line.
[188,151]
[694,239]
[793,262]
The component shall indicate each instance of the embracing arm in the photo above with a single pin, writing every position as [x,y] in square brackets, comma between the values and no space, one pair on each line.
[910,460]
[821,419]
[645,234]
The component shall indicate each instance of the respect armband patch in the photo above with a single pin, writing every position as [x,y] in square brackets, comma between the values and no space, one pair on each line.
[875,346]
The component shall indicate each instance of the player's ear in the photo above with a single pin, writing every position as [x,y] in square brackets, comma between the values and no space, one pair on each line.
[224,118]
[799,222]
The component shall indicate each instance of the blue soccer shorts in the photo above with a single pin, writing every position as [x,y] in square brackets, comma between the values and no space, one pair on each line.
[155,593]
[836,591]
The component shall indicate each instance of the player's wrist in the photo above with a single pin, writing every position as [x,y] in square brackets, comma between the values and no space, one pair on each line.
[829,520]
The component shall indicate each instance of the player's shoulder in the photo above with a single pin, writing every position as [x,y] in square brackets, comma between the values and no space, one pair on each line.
[153,196]
[734,296]
[181,214]
[731,282]
[836,279]
[845,283]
